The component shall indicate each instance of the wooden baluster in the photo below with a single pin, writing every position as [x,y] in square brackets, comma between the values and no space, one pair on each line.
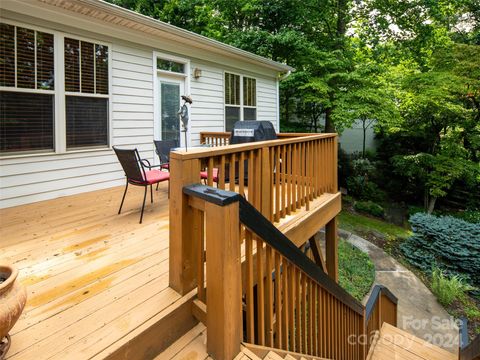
[293,290]
[298,311]
[283,181]
[316,317]
[277,184]
[249,286]
[269,297]
[260,293]
[241,174]
[210,172]
[313,177]
[304,314]
[285,306]
[335,166]
[318,168]
[289,180]
[264,175]
[307,176]
[323,332]
[231,181]
[258,182]
[251,179]
[272,195]
[296,163]
[221,173]
[278,303]
[311,317]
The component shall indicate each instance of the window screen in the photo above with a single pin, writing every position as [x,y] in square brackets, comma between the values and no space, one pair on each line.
[26,122]
[86,121]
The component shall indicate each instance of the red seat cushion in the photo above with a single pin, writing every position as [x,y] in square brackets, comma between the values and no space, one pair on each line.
[204,174]
[156,176]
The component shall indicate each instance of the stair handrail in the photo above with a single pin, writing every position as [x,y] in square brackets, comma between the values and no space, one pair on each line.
[258,224]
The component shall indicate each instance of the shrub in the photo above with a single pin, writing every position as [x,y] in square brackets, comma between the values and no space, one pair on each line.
[451,244]
[447,289]
[369,207]
[472,216]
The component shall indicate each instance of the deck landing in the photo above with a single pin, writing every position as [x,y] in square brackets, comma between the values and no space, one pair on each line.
[93,277]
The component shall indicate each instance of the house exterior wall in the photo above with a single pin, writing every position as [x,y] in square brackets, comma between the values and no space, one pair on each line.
[29,178]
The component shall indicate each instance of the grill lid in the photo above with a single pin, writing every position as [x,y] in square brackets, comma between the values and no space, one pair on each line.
[252,130]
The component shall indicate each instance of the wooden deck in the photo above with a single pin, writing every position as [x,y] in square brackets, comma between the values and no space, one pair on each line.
[94,278]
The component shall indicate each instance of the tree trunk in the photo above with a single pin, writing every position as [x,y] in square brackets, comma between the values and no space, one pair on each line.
[431,204]
[364,137]
[329,126]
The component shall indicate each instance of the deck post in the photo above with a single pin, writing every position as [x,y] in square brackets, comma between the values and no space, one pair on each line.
[224,289]
[331,248]
[183,237]
[331,229]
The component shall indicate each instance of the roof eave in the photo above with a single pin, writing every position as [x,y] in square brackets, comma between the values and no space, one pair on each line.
[185,34]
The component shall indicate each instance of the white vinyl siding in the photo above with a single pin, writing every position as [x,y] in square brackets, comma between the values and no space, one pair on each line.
[207,94]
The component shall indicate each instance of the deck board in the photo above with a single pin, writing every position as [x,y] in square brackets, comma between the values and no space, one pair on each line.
[92,276]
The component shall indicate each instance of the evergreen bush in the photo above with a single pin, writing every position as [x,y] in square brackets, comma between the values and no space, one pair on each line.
[451,244]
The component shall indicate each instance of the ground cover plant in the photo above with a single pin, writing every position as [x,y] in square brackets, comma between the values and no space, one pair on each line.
[356,271]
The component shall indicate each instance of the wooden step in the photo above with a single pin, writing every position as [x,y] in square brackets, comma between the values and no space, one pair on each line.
[274,354]
[393,343]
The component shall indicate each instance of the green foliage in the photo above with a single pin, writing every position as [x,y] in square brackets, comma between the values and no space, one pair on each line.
[447,289]
[369,207]
[472,216]
[449,243]
[361,224]
[356,270]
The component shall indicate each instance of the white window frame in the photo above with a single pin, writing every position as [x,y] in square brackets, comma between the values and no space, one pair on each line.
[93,95]
[60,125]
[241,106]
[36,91]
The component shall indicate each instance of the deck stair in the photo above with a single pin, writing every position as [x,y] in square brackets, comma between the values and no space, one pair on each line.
[394,343]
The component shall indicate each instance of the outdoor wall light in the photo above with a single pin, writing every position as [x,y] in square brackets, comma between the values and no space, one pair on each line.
[197,73]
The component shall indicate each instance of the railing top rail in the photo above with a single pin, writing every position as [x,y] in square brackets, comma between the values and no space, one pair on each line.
[258,224]
[230,149]
[377,290]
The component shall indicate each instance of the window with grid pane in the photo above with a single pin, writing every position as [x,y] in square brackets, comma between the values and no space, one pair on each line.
[26,63]
[86,84]
[232,100]
[249,98]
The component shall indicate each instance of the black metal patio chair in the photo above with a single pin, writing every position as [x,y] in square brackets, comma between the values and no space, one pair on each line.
[139,172]
[162,148]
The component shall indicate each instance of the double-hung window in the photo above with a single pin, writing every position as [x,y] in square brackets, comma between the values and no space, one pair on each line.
[86,93]
[240,99]
[29,93]
[27,90]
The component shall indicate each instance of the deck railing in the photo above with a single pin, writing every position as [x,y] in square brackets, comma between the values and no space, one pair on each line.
[278,177]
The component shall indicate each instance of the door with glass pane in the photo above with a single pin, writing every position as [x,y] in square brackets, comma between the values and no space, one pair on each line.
[169,91]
